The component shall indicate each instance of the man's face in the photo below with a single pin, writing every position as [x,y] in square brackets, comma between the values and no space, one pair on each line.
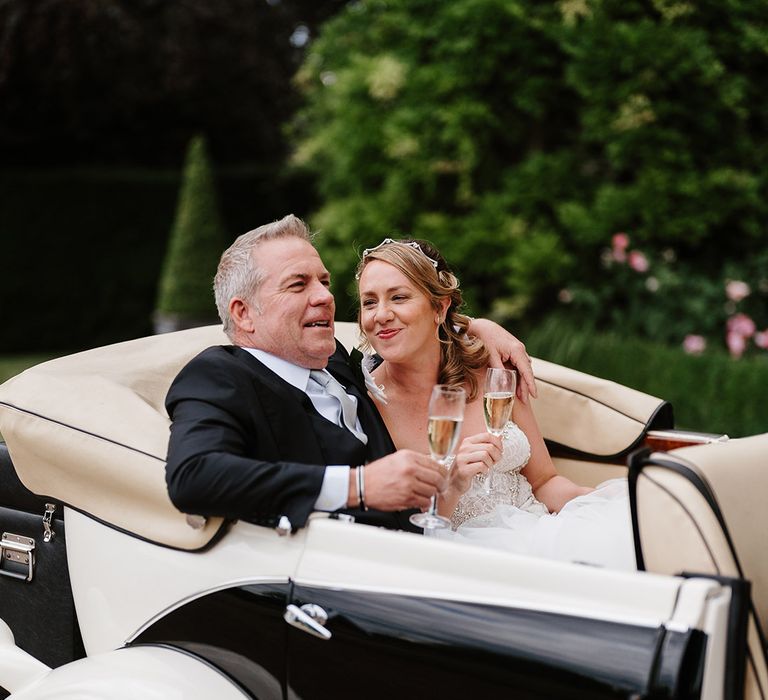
[296,307]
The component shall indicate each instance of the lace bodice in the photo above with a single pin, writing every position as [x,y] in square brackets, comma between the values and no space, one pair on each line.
[510,487]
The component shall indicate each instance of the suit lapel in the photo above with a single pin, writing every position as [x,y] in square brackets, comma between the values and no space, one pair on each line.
[379,441]
[288,410]
[294,421]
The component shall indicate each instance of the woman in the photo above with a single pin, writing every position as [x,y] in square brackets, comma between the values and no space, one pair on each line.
[409,314]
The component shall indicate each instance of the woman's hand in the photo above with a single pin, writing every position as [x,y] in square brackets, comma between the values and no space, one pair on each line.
[476,455]
[505,349]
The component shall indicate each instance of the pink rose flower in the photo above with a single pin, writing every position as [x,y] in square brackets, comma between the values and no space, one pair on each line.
[736,290]
[736,344]
[619,244]
[761,339]
[741,324]
[638,262]
[620,241]
[694,344]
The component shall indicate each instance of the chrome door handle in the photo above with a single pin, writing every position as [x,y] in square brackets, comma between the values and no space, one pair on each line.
[309,618]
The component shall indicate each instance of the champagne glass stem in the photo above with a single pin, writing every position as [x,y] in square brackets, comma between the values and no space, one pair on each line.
[488,482]
[432,510]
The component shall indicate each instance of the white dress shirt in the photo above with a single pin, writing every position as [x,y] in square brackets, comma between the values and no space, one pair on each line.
[335,488]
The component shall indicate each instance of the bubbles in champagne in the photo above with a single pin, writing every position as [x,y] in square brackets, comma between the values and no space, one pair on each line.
[443,435]
[497,408]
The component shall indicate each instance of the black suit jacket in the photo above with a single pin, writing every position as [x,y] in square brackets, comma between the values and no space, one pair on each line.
[247,445]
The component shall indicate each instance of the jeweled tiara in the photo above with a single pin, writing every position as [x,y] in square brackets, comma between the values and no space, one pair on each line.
[410,244]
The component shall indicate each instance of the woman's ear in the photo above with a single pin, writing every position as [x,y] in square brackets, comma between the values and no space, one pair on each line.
[444,305]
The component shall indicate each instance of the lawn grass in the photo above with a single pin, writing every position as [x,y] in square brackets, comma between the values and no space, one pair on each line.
[11,365]
[710,393]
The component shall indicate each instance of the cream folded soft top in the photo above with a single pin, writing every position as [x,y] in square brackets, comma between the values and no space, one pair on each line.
[90,430]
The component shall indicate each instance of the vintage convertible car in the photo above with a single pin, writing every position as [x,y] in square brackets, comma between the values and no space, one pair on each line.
[110,592]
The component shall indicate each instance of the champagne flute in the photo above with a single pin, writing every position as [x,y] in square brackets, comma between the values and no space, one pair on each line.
[446,413]
[498,399]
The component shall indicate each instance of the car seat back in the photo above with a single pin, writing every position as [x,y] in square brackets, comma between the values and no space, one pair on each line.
[702,509]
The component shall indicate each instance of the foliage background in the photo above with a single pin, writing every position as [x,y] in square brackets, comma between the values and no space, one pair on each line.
[129,82]
[519,136]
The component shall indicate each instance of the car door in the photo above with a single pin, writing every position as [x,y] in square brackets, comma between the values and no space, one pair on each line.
[406,615]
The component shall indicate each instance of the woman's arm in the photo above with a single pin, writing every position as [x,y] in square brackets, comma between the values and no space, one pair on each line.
[548,486]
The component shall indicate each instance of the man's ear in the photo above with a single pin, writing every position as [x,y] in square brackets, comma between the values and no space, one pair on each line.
[241,314]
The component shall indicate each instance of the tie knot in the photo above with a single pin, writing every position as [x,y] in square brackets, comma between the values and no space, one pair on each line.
[321,377]
[347,403]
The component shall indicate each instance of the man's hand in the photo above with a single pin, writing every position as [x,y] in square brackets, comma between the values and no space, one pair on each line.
[504,348]
[405,479]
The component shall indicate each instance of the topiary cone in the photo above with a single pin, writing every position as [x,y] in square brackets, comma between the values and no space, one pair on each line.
[197,239]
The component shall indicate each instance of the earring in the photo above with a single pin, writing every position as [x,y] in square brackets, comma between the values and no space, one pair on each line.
[438,321]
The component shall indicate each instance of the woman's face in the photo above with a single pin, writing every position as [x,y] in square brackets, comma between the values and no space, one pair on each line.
[395,314]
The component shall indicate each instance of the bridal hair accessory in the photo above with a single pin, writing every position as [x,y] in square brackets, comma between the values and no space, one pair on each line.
[410,244]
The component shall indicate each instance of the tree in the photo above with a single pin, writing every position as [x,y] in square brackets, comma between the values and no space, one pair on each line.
[519,136]
[197,239]
[131,81]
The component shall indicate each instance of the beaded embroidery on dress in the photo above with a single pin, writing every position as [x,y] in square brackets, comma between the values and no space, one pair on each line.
[509,485]
[592,529]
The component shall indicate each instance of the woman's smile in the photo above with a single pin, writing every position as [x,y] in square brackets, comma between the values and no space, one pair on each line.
[387,333]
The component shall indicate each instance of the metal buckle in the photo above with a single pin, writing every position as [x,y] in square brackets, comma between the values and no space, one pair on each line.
[17,551]
[49,533]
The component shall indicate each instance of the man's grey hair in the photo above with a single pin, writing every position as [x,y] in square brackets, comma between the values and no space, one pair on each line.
[239,274]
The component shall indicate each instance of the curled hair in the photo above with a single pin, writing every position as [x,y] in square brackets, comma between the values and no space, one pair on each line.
[239,274]
[461,355]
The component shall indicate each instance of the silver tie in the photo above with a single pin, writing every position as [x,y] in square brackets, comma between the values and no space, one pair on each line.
[348,407]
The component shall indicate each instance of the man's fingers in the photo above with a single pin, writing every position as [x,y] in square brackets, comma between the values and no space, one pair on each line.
[528,380]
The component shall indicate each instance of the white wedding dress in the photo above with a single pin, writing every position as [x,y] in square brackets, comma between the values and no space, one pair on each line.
[592,529]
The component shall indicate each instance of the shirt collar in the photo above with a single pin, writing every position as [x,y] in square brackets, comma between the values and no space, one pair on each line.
[291,373]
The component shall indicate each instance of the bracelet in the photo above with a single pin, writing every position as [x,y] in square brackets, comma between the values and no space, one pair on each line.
[357,485]
[361,488]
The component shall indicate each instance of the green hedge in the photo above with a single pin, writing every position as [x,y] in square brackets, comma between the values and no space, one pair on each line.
[710,393]
[81,250]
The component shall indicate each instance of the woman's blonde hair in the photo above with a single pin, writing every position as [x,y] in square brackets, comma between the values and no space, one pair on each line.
[461,355]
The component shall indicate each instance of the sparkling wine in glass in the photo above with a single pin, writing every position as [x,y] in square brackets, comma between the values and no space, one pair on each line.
[445,416]
[498,400]
[443,436]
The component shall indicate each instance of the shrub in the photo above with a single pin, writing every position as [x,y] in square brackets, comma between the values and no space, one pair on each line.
[657,296]
[518,135]
[197,240]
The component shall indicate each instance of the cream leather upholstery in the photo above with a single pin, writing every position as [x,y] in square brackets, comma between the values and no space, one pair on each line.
[590,415]
[703,509]
[91,430]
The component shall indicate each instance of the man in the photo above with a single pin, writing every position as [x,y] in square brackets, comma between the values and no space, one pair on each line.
[257,433]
